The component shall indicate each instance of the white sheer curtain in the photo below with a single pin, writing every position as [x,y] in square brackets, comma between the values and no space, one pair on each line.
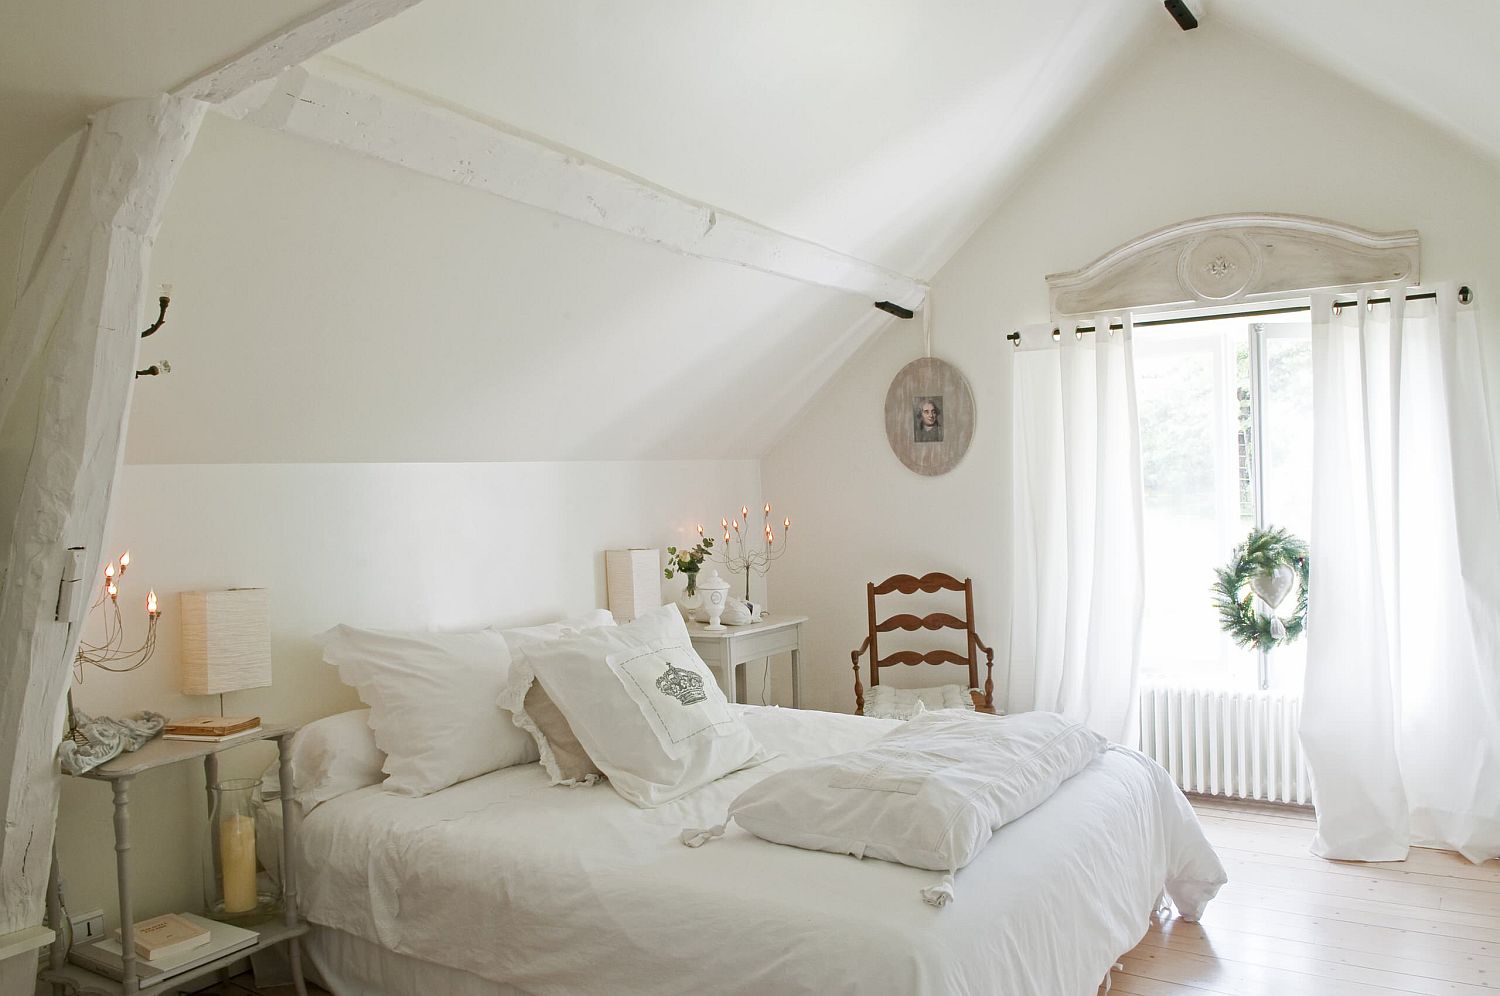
[1077,526]
[1401,709]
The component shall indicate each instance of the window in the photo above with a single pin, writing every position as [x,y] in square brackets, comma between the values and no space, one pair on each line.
[1226,444]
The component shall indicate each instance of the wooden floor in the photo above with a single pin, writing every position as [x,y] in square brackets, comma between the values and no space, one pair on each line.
[1290,924]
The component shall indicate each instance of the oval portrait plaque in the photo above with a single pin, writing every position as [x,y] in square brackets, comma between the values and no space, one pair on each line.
[929,416]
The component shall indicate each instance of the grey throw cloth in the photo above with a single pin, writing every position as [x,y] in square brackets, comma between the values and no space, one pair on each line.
[94,741]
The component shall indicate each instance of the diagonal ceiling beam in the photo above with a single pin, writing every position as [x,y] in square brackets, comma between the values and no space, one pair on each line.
[291,46]
[397,127]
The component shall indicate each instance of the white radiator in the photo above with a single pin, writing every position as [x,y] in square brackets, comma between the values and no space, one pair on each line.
[1241,744]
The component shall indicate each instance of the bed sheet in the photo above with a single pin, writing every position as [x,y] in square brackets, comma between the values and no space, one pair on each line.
[574,890]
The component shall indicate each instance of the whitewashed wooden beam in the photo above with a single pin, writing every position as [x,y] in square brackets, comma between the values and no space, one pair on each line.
[386,124]
[291,46]
[77,323]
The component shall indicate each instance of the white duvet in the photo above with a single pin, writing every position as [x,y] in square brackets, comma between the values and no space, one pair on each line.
[575,890]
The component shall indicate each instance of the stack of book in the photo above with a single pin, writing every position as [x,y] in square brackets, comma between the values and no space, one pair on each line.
[211,729]
[165,946]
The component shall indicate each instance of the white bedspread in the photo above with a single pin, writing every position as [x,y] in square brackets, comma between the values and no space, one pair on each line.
[574,890]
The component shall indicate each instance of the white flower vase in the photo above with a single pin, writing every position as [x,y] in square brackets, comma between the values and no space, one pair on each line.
[714,591]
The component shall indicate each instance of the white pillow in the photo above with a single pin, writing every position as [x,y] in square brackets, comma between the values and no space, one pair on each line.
[562,756]
[928,794]
[432,703]
[643,705]
[518,636]
[332,756]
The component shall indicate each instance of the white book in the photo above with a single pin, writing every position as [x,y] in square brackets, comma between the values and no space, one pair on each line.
[103,956]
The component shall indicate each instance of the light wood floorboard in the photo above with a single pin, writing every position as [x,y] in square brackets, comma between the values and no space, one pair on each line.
[1291,924]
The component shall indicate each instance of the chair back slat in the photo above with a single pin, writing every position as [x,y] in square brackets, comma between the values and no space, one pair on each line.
[911,623]
[913,657]
[910,584]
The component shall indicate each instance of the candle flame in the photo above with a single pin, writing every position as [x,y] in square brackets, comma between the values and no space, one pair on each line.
[736,525]
[111,589]
[700,530]
[109,572]
[151,603]
[124,561]
[744,511]
[768,508]
[786,524]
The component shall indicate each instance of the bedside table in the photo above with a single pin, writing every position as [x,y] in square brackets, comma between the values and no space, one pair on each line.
[119,773]
[725,650]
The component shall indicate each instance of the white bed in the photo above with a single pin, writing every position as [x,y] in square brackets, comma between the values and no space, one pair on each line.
[506,884]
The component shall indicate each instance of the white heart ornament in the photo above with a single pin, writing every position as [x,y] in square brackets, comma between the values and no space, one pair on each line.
[1272,587]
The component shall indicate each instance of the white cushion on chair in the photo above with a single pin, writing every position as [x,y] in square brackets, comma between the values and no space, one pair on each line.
[885,702]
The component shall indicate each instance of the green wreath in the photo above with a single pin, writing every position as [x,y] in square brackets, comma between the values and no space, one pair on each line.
[1263,551]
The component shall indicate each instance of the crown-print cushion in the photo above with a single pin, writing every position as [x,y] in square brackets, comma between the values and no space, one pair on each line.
[644,706]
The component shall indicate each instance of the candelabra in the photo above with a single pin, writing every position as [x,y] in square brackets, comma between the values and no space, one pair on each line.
[111,655]
[742,554]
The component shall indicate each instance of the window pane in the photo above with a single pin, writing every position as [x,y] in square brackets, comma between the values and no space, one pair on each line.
[1195,476]
[1286,444]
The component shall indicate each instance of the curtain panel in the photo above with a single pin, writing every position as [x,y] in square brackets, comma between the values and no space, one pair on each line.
[1077,526]
[1401,707]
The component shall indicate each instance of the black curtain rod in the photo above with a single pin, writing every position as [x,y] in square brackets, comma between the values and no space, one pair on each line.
[1464,297]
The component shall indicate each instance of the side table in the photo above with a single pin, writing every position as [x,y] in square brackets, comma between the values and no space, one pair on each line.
[119,773]
[725,650]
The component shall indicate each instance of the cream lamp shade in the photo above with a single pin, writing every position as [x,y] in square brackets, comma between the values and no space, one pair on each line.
[633,579]
[226,641]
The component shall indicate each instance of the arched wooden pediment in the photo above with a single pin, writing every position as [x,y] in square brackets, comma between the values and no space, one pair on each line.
[1231,258]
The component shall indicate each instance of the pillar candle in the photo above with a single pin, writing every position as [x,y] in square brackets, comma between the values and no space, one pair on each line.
[237,860]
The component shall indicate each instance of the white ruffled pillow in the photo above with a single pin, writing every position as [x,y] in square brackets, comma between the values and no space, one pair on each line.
[432,703]
[333,756]
[887,702]
[643,705]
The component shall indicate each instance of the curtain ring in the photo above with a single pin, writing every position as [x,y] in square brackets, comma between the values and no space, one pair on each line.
[1338,308]
[1465,296]
[1015,339]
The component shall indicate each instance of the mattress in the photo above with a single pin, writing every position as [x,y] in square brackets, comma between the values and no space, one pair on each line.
[553,890]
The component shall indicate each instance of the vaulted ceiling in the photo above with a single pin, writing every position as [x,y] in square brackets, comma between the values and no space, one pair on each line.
[887,130]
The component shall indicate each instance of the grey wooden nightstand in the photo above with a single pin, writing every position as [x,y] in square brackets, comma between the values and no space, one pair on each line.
[69,978]
[726,649]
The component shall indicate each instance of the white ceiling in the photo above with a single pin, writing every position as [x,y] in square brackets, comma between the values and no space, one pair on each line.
[886,129]
[1439,60]
[61,60]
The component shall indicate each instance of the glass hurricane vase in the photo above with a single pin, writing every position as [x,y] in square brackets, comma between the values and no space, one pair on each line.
[242,856]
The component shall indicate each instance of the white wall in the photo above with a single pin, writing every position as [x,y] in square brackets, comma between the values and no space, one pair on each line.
[1204,123]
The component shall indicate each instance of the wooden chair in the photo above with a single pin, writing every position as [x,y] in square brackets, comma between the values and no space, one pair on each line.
[929,583]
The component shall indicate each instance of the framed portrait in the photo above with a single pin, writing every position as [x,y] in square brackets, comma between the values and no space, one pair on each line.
[929,416]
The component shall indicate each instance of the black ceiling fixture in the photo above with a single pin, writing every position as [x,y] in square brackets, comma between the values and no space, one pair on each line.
[1181,14]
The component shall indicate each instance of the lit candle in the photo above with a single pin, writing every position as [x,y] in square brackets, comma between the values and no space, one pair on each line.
[151,604]
[726,536]
[768,510]
[700,531]
[237,862]
[736,525]
[113,591]
[744,511]
[109,572]
[786,524]
[124,561]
